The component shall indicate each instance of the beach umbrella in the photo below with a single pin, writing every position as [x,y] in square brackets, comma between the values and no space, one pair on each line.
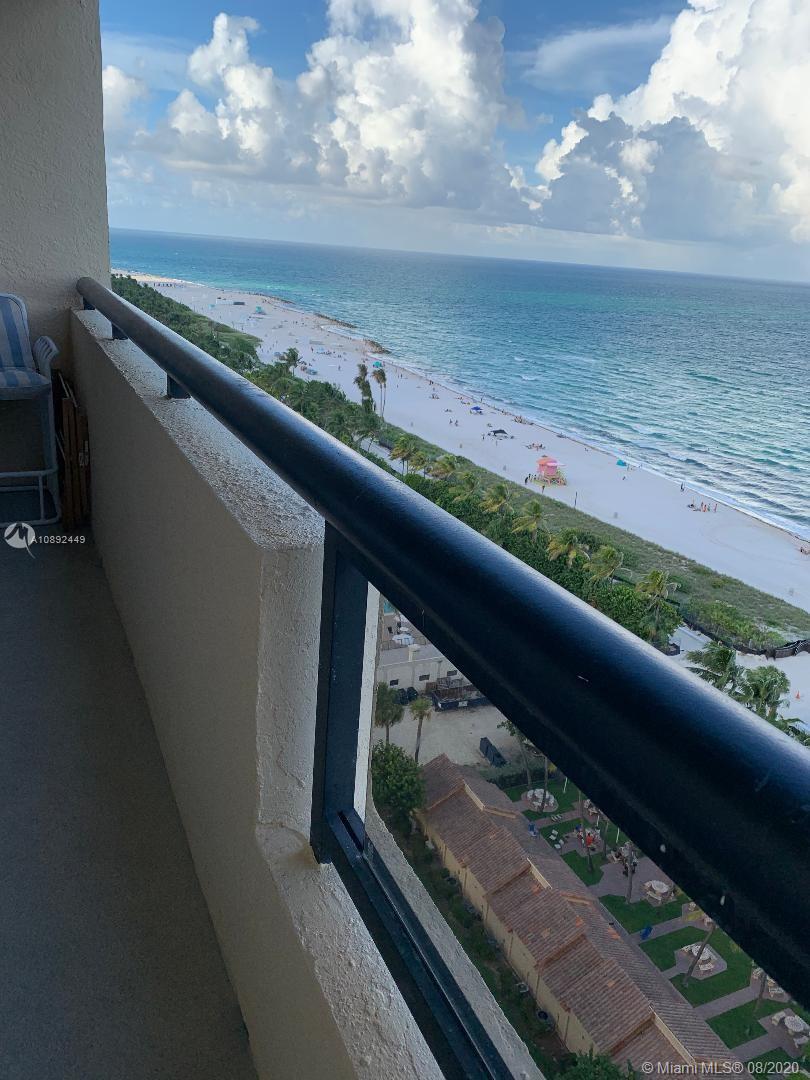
[621,464]
[476,409]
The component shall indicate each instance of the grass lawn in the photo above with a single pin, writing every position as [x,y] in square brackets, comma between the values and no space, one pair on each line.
[738,1026]
[662,950]
[736,976]
[772,1055]
[566,800]
[532,815]
[611,834]
[639,914]
[697,583]
[579,864]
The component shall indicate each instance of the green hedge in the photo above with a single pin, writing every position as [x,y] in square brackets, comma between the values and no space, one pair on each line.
[725,623]
[617,600]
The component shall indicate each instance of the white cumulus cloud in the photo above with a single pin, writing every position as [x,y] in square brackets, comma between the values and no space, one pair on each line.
[402,104]
[120,91]
[715,143]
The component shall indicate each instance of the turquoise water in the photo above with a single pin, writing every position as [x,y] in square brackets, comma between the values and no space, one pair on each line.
[704,379]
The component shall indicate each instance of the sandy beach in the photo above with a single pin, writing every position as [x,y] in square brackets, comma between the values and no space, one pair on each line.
[644,502]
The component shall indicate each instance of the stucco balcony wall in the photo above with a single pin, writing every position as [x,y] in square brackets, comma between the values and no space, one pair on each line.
[215,568]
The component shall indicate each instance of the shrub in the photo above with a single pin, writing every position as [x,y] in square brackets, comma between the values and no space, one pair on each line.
[479,944]
[396,782]
[725,623]
[460,913]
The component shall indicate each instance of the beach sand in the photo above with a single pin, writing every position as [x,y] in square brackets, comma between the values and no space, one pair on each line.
[637,499]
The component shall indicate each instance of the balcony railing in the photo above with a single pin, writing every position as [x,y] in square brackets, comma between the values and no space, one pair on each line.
[719,798]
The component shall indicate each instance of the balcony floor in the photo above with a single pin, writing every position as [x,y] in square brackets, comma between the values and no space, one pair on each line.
[109,965]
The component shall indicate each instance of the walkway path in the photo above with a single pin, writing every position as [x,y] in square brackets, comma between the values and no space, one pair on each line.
[614,883]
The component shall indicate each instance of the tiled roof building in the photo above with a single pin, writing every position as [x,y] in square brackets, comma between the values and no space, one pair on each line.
[603,994]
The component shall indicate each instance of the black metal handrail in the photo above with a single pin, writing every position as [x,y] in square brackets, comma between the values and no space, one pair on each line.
[719,798]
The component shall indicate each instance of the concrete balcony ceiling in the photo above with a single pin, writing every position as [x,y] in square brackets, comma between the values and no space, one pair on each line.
[110,965]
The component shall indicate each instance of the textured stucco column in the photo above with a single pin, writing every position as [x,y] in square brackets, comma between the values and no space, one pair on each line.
[53,196]
[215,567]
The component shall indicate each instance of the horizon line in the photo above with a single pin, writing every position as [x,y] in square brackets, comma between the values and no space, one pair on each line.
[458,255]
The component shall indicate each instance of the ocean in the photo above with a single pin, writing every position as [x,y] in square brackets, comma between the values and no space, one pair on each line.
[704,379]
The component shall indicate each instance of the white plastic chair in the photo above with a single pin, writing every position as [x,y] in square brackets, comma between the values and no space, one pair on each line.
[25,374]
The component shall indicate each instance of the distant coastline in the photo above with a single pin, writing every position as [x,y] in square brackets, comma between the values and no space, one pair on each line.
[352,332]
[658,368]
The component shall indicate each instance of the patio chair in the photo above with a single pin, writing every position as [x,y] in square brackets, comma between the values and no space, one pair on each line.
[778,1017]
[25,375]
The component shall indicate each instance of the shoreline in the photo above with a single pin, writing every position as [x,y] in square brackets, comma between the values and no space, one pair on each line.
[379,352]
[736,540]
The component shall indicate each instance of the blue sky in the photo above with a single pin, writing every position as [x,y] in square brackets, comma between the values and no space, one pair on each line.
[627,133]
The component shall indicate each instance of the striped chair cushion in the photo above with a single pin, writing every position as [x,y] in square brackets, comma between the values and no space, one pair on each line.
[22,383]
[15,348]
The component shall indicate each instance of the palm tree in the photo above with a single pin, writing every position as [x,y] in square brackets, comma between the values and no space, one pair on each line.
[361,378]
[656,587]
[763,690]
[523,746]
[418,462]
[378,375]
[364,386]
[387,709]
[366,425]
[496,498]
[567,545]
[445,467]
[717,664]
[404,449]
[605,563]
[467,486]
[792,726]
[337,422]
[421,708]
[530,518]
[290,358]
[581,808]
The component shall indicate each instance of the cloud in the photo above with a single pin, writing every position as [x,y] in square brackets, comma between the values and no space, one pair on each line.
[228,48]
[713,144]
[595,59]
[160,62]
[121,92]
[401,104]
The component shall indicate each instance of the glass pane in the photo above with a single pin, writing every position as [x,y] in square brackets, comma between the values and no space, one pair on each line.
[586,944]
